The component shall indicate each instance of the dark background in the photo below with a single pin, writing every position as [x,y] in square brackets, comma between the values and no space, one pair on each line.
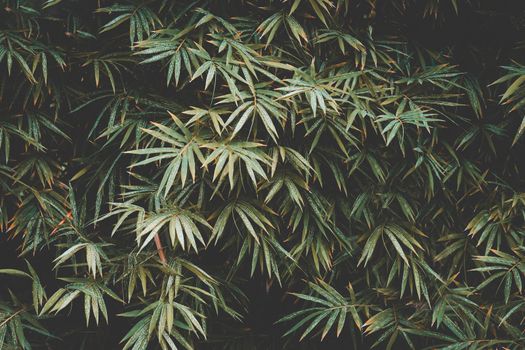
[480,39]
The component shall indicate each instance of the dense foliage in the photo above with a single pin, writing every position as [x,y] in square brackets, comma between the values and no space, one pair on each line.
[266,174]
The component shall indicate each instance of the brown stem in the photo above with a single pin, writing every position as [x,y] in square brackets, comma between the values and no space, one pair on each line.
[4,322]
[160,250]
